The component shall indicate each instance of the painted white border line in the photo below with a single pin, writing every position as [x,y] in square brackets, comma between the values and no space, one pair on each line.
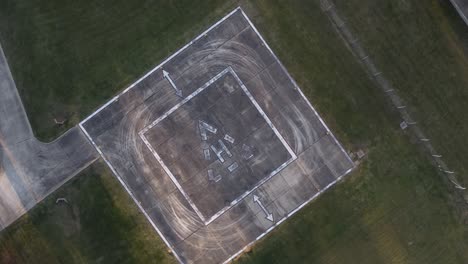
[188,98]
[184,101]
[288,216]
[131,195]
[459,10]
[115,98]
[156,155]
[280,137]
[264,115]
[174,180]
[296,86]
[328,131]
[161,64]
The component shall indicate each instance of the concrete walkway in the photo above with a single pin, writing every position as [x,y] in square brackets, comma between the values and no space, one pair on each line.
[30,169]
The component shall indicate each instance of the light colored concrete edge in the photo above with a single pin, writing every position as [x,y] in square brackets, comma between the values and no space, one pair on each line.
[7,66]
[159,66]
[264,115]
[460,11]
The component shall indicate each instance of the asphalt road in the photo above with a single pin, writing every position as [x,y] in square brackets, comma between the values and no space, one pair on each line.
[30,169]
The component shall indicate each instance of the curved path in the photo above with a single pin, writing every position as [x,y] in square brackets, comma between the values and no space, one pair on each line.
[30,169]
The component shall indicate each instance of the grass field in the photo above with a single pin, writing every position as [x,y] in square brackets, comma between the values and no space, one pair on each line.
[394,208]
[69,57]
[100,224]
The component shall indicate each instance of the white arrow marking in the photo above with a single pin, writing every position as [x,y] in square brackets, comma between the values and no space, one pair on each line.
[268,216]
[178,91]
[203,127]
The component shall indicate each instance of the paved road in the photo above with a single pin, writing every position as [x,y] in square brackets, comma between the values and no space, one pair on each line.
[462,8]
[30,169]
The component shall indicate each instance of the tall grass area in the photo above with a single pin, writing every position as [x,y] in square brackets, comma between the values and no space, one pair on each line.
[69,57]
[395,208]
[99,224]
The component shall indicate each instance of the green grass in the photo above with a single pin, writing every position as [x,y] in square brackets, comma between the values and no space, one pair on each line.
[100,224]
[394,208]
[69,57]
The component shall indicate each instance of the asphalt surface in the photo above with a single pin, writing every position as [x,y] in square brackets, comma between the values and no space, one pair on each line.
[173,136]
[30,169]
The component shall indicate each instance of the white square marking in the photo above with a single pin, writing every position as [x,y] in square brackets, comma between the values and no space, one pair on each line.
[185,100]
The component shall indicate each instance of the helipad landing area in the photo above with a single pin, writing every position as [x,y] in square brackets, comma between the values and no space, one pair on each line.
[217,145]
